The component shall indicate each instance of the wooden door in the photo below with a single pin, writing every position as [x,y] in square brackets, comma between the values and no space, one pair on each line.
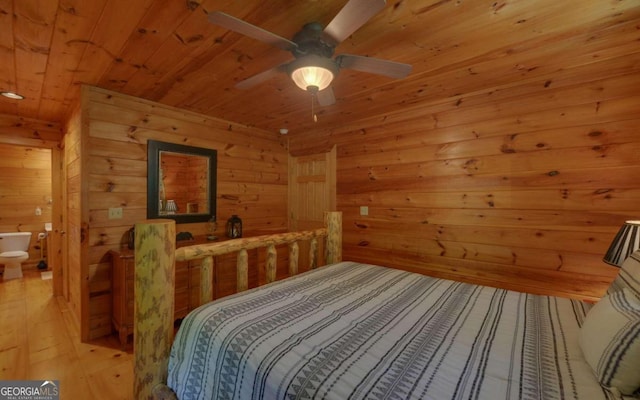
[312,191]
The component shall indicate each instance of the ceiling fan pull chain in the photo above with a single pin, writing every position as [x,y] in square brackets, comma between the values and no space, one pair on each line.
[313,112]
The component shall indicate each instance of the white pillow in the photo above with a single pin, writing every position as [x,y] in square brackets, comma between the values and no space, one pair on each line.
[610,341]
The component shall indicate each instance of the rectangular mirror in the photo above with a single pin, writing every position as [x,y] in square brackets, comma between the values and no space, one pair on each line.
[181,182]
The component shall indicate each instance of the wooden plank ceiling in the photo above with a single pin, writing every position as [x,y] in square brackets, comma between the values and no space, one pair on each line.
[167,51]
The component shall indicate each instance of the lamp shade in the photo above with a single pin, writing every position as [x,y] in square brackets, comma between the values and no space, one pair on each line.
[171,207]
[627,241]
[312,71]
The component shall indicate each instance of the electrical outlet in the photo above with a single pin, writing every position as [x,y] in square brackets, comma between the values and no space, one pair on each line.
[364,210]
[115,213]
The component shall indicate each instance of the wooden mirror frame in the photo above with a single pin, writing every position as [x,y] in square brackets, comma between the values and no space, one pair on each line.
[154,148]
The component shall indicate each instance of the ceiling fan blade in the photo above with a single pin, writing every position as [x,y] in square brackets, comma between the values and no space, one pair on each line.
[352,16]
[378,66]
[261,77]
[255,32]
[326,97]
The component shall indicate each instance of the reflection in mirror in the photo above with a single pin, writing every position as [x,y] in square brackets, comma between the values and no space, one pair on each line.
[181,182]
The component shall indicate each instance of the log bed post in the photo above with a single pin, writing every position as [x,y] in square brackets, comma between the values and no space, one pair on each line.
[293,258]
[206,280]
[242,271]
[313,253]
[333,247]
[155,244]
[271,264]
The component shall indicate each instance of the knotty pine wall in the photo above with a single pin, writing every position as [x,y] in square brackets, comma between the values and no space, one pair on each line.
[520,186]
[252,179]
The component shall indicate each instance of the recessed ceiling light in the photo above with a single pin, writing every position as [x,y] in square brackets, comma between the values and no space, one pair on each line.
[11,95]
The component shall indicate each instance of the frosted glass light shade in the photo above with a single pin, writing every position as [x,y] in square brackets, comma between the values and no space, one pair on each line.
[313,71]
[305,77]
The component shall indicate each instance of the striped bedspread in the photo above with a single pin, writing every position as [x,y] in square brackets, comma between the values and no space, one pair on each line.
[357,331]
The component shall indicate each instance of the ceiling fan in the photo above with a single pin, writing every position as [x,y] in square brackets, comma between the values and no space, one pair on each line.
[313,68]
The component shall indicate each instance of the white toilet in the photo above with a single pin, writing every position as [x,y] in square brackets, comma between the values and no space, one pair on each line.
[14,247]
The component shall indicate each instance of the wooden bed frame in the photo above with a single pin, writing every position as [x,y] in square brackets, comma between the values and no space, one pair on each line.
[155,258]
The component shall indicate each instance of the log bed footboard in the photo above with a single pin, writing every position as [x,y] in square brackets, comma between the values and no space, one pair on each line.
[155,258]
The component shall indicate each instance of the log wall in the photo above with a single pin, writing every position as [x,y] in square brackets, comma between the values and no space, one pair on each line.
[252,178]
[520,186]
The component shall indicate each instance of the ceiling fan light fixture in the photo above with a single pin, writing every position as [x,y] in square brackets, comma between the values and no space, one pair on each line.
[313,72]
[306,77]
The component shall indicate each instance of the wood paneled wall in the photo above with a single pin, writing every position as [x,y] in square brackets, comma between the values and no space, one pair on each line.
[252,178]
[520,186]
[29,132]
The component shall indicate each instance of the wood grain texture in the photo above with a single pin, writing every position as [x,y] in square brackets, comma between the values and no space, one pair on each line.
[313,253]
[333,248]
[252,174]
[514,133]
[76,291]
[206,280]
[312,191]
[25,131]
[247,243]
[271,263]
[294,251]
[154,303]
[41,338]
[242,270]
[520,186]
[170,53]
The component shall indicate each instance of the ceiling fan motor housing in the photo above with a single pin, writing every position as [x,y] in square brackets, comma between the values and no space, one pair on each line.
[310,40]
[313,61]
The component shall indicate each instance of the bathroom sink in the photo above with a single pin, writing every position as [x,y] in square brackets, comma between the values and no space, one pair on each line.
[48,226]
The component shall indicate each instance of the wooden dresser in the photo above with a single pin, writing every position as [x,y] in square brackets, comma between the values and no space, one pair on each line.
[187,288]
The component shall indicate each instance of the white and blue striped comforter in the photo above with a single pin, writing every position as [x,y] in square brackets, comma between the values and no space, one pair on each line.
[357,331]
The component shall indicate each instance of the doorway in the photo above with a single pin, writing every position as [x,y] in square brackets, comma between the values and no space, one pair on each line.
[312,191]
[29,186]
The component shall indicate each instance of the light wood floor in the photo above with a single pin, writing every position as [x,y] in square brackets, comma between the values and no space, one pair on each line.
[39,340]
